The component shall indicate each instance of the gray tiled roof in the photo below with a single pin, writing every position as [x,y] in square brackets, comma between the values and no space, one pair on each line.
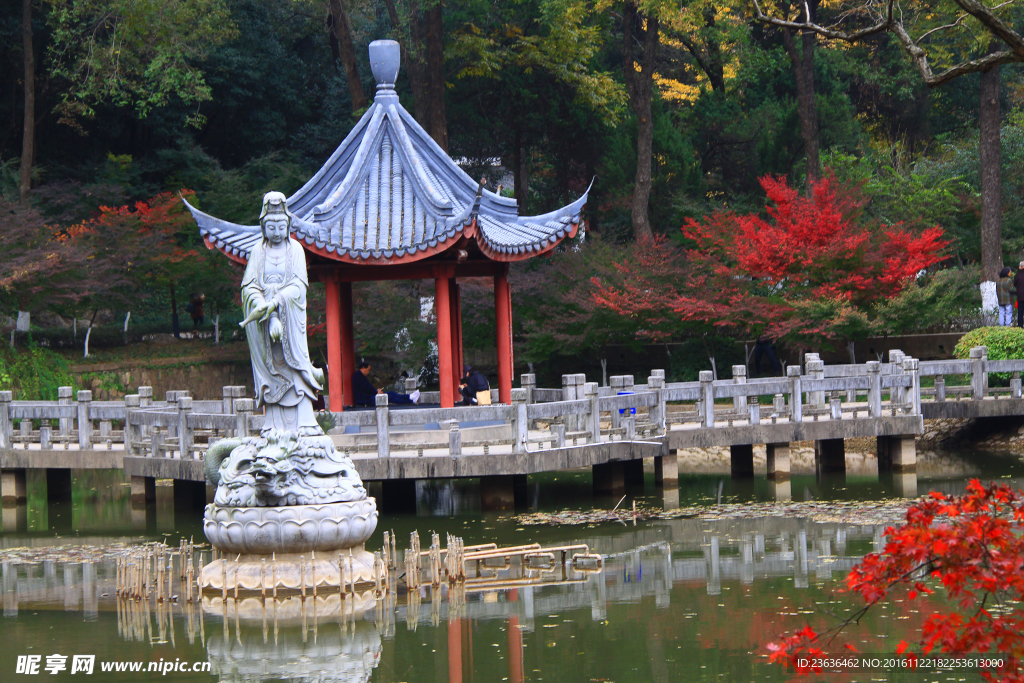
[389,191]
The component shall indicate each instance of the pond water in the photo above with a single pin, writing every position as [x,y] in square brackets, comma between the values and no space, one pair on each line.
[686,599]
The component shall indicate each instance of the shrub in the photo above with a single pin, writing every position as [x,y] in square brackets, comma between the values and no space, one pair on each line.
[33,373]
[1004,343]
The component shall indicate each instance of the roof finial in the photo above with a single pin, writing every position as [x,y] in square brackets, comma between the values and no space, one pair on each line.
[385,60]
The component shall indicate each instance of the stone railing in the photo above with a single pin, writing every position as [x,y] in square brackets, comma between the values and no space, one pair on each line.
[580,412]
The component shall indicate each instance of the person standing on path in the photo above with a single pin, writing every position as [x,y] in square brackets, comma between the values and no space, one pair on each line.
[1006,293]
[1018,284]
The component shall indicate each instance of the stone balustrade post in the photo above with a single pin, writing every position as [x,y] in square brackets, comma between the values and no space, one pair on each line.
[836,407]
[594,418]
[230,394]
[243,411]
[897,395]
[707,398]
[44,435]
[568,387]
[580,382]
[739,376]
[874,369]
[520,424]
[778,405]
[814,368]
[411,383]
[912,367]
[559,431]
[132,434]
[529,383]
[630,424]
[156,442]
[616,382]
[657,411]
[145,395]
[383,436]
[979,376]
[64,395]
[754,409]
[454,439]
[660,374]
[796,394]
[1015,385]
[6,426]
[186,439]
[940,388]
[84,423]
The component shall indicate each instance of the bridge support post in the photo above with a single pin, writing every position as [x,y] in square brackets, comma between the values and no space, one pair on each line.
[741,460]
[904,484]
[830,456]
[666,469]
[143,491]
[398,495]
[633,472]
[13,488]
[777,455]
[502,492]
[781,490]
[897,453]
[58,484]
[609,477]
[14,519]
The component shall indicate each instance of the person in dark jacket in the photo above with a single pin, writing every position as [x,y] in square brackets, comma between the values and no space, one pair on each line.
[365,394]
[1005,292]
[1018,284]
[471,383]
[763,349]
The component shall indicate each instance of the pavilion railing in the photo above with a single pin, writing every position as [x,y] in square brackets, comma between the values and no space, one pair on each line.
[580,412]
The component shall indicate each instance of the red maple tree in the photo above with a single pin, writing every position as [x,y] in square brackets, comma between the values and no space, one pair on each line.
[806,271]
[972,546]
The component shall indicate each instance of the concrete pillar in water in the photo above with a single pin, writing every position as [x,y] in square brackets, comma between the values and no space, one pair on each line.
[502,492]
[14,519]
[58,484]
[13,488]
[897,453]
[666,469]
[633,471]
[777,455]
[609,477]
[904,484]
[830,456]
[398,495]
[742,460]
[143,491]
[781,490]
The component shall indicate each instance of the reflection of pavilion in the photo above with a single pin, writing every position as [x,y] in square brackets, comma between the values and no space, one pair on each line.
[390,204]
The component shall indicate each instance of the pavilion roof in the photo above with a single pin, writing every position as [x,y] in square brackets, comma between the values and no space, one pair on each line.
[390,194]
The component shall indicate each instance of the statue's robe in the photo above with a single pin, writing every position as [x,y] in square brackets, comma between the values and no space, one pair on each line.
[285,380]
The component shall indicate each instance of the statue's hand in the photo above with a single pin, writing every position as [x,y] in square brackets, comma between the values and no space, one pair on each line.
[259,313]
[276,330]
[268,308]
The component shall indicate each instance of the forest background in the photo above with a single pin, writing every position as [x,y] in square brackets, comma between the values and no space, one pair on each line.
[678,110]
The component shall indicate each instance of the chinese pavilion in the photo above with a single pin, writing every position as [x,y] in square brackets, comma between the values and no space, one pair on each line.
[390,204]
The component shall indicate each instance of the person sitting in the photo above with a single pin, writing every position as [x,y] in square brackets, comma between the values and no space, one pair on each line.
[471,384]
[364,393]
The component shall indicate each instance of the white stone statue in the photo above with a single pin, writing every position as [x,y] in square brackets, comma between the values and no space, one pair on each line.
[274,299]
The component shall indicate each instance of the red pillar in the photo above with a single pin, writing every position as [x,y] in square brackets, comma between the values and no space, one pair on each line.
[455,297]
[334,355]
[442,305]
[348,351]
[503,323]
[455,651]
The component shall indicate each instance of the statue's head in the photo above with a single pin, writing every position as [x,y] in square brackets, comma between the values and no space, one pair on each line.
[275,220]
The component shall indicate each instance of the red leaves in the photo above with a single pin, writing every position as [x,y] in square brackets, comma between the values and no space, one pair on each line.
[809,270]
[975,551]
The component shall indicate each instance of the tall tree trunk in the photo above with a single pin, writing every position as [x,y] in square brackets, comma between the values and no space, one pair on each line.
[807,109]
[991,177]
[28,141]
[434,49]
[342,30]
[639,84]
[520,170]
[419,31]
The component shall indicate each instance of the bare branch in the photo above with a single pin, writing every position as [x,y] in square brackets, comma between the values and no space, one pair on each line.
[880,27]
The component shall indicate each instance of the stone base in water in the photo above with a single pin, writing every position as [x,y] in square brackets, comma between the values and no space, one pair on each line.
[290,572]
[326,527]
[292,610]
